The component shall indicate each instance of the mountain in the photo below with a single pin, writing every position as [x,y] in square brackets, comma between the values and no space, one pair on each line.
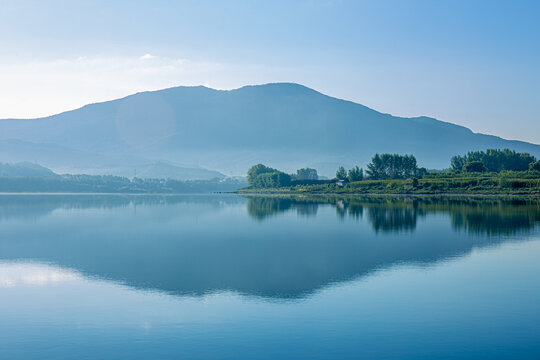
[283,125]
[24,169]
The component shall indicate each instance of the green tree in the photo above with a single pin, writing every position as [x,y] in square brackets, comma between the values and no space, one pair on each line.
[341,173]
[409,166]
[474,166]
[420,172]
[494,160]
[534,166]
[355,174]
[257,170]
[457,162]
[307,174]
[392,166]
[375,168]
[272,180]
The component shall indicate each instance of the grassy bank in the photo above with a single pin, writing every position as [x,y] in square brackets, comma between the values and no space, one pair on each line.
[457,184]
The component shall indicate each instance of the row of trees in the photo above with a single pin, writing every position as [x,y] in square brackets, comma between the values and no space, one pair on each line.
[492,160]
[478,166]
[354,174]
[392,166]
[262,176]
[395,166]
[306,174]
[384,166]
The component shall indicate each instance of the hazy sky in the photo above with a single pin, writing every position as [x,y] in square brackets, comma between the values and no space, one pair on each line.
[473,63]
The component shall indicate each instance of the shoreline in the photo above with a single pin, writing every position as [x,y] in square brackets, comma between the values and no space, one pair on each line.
[386,194]
[107,194]
[269,193]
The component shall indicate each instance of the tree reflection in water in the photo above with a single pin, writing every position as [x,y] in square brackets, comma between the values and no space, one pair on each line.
[476,215]
[195,245]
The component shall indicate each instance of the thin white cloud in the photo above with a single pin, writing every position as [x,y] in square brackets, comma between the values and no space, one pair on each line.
[147,57]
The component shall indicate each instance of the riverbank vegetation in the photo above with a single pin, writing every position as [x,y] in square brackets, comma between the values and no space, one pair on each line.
[489,172]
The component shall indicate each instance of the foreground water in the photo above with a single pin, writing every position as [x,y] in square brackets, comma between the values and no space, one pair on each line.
[229,277]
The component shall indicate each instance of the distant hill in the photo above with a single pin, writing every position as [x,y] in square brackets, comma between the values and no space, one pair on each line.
[168,171]
[63,160]
[25,169]
[283,125]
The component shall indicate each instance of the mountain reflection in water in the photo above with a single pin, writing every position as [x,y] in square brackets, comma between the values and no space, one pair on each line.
[269,246]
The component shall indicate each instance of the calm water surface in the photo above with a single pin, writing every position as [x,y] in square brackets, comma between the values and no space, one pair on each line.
[230,277]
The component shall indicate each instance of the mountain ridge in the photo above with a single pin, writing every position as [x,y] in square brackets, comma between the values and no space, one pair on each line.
[24,169]
[419,117]
[286,125]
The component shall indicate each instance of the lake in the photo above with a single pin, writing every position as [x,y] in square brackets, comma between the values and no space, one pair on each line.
[232,277]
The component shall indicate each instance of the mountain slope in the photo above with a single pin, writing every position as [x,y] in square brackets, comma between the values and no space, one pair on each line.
[25,169]
[285,125]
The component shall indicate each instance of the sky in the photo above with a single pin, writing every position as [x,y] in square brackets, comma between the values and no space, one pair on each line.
[472,63]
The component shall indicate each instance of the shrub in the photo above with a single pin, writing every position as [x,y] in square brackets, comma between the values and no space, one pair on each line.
[272,179]
[535,166]
[474,166]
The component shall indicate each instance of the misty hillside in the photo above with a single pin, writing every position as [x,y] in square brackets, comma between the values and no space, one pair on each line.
[284,125]
[68,160]
[24,169]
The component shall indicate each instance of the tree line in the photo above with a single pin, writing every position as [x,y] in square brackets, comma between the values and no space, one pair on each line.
[392,166]
[262,176]
[494,160]
[383,166]
[396,166]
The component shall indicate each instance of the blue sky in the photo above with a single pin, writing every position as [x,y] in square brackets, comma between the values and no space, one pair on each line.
[473,63]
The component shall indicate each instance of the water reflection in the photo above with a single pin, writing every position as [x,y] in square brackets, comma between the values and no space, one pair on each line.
[281,247]
[14,274]
[478,215]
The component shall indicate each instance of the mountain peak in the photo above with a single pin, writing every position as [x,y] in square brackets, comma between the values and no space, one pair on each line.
[281,88]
